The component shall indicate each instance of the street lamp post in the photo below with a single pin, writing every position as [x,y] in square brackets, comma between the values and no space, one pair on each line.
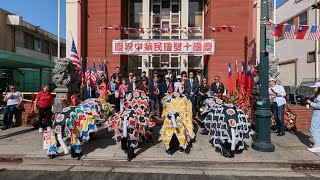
[263,113]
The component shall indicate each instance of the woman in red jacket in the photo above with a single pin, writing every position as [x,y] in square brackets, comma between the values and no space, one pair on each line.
[44,100]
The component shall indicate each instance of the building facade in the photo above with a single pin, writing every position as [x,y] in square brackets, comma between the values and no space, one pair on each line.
[26,53]
[94,44]
[298,58]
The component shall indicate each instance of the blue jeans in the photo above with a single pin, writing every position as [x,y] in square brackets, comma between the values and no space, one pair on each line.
[315,127]
[278,112]
[8,114]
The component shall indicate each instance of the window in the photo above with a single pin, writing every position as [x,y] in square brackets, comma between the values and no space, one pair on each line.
[19,38]
[45,46]
[135,8]
[133,63]
[37,44]
[175,8]
[194,62]
[195,13]
[62,51]
[165,3]
[311,57]
[303,18]
[28,41]
[54,49]
[291,21]
[156,9]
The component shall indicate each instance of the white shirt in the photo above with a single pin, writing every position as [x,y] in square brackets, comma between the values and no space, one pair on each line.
[16,99]
[277,99]
[178,87]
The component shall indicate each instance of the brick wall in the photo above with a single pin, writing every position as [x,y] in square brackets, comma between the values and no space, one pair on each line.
[303,116]
[99,44]
[237,45]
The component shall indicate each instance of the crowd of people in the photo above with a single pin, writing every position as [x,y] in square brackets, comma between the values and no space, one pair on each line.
[195,87]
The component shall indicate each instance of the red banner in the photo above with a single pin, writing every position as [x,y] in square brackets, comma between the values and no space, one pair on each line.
[181,46]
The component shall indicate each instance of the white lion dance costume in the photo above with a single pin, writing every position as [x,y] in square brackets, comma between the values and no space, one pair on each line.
[177,111]
[76,123]
[132,124]
[228,126]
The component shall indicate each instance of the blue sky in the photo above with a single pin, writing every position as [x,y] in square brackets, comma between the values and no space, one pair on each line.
[279,2]
[43,13]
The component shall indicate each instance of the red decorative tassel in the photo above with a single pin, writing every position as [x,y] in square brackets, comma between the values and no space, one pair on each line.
[68,99]
[74,99]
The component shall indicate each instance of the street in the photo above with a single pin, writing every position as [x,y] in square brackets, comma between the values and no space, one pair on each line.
[125,174]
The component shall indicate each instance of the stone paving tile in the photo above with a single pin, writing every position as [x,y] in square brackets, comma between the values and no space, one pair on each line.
[290,147]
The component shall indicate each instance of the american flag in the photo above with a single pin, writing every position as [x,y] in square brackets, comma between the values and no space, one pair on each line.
[93,73]
[100,71]
[74,57]
[87,72]
[289,32]
[314,33]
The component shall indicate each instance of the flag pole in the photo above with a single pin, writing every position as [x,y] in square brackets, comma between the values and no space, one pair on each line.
[58,55]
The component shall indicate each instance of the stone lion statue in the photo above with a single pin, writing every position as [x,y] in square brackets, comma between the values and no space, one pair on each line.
[66,75]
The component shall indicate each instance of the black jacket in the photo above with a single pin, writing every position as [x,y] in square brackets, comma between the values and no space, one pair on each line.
[85,95]
[219,89]
[130,87]
[188,88]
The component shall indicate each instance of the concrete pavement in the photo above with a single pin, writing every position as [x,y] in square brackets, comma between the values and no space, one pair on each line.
[25,144]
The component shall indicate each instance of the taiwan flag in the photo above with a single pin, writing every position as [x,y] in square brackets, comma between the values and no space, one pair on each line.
[278,29]
[243,76]
[230,78]
[249,78]
[302,32]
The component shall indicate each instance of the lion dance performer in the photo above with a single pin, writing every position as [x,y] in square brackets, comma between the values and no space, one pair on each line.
[177,112]
[77,123]
[228,126]
[132,124]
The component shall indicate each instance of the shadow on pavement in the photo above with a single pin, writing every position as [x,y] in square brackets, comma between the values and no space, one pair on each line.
[146,145]
[101,140]
[303,138]
[16,133]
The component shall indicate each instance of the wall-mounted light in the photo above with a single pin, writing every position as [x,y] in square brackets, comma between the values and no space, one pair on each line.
[145,61]
[185,62]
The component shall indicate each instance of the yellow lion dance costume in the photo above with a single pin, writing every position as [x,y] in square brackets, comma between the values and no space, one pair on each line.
[177,112]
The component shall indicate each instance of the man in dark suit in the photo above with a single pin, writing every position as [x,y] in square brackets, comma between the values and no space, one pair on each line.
[143,76]
[117,75]
[217,87]
[88,91]
[155,96]
[133,85]
[191,90]
[167,86]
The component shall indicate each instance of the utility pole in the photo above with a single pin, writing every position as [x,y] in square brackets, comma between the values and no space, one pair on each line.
[58,55]
[263,125]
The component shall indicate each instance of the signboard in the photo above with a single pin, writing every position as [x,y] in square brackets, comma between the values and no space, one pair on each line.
[270,38]
[172,46]
[46,139]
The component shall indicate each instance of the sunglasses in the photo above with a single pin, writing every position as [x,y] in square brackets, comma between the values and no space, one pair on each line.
[12,88]
[216,79]
[130,75]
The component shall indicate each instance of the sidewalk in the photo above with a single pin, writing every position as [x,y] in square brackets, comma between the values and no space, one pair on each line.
[291,150]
